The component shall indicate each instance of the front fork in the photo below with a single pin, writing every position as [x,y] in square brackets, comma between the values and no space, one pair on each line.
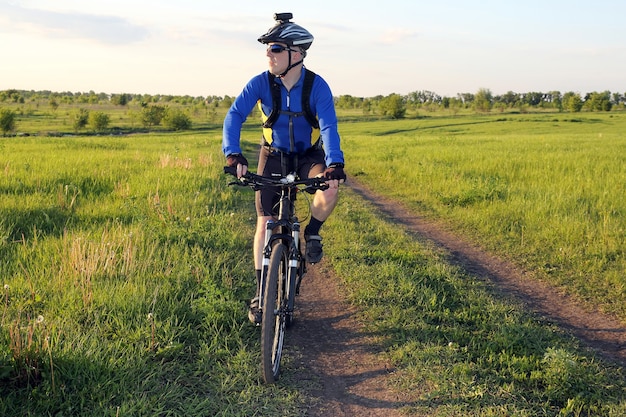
[267,252]
[293,274]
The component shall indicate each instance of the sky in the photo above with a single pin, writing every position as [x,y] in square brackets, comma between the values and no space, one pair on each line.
[362,48]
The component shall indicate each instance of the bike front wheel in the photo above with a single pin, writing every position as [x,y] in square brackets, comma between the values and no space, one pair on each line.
[275,310]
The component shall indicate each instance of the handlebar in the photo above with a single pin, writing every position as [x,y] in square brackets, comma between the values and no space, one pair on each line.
[257,182]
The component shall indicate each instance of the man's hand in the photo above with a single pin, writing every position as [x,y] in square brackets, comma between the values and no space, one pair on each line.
[335,172]
[238,161]
[335,175]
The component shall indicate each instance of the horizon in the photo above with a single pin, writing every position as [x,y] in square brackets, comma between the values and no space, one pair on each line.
[457,95]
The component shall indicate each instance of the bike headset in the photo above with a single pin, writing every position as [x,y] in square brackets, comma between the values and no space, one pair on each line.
[290,34]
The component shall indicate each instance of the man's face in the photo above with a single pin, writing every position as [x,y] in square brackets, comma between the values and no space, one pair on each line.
[278,57]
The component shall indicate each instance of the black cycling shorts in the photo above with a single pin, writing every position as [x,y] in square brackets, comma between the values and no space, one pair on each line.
[310,164]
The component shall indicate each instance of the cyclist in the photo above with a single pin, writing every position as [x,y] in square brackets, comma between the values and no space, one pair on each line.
[292,140]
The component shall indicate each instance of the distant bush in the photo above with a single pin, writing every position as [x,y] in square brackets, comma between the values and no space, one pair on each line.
[598,101]
[7,121]
[152,115]
[572,102]
[121,99]
[392,106]
[99,121]
[177,119]
[81,118]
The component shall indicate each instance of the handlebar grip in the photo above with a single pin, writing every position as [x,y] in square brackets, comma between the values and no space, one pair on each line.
[230,170]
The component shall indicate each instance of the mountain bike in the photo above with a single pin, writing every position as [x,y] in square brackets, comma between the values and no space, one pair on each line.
[283,265]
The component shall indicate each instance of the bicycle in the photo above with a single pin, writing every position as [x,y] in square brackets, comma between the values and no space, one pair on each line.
[283,264]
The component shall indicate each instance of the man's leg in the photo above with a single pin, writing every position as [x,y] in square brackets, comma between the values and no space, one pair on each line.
[322,206]
[254,313]
[259,240]
[324,203]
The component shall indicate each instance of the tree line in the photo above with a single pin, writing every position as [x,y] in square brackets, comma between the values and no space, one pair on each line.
[482,100]
[157,109]
[154,110]
[396,105]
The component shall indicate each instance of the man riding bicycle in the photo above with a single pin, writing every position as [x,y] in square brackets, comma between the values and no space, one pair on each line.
[299,135]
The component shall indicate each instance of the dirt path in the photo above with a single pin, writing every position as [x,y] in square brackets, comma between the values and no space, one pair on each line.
[341,361]
[347,376]
[598,331]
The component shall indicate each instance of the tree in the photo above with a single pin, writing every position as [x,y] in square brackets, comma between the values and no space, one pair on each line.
[7,121]
[13,95]
[555,99]
[226,102]
[455,105]
[533,98]
[81,118]
[99,121]
[152,115]
[346,102]
[482,100]
[367,106]
[177,119]
[424,97]
[617,98]
[598,101]
[572,102]
[510,98]
[393,106]
[120,99]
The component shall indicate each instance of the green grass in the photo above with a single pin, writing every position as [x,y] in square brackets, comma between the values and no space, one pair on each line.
[38,118]
[125,272]
[126,269]
[542,190]
[459,350]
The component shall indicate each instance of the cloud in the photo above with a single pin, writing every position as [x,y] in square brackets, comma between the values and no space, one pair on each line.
[111,30]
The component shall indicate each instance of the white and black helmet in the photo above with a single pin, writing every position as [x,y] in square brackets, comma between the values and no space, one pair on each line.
[287,32]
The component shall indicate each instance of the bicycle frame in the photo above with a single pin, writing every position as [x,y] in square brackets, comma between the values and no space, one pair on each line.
[285,228]
[282,266]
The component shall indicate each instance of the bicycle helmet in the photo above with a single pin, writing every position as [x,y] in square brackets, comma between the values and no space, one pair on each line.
[288,33]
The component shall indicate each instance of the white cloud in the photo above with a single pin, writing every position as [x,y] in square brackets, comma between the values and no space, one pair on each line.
[103,29]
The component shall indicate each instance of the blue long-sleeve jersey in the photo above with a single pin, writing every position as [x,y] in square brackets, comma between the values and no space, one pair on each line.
[322,104]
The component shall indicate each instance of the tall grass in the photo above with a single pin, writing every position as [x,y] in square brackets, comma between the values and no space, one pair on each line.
[125,271]
[543,190]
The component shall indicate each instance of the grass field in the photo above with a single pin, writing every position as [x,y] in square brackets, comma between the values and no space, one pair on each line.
[125,265]
[543,190]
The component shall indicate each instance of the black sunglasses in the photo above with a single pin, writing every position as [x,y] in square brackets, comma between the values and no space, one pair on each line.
[277,49]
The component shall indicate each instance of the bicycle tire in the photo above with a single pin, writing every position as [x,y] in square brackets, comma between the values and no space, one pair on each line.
[274,312]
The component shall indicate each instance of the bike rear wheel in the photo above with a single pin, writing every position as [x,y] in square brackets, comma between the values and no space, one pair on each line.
[275,310]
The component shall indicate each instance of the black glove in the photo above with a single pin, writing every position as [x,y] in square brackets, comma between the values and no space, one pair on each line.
[236,158]
[335,172]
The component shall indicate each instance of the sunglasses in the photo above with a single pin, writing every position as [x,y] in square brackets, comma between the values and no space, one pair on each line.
[277,49]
